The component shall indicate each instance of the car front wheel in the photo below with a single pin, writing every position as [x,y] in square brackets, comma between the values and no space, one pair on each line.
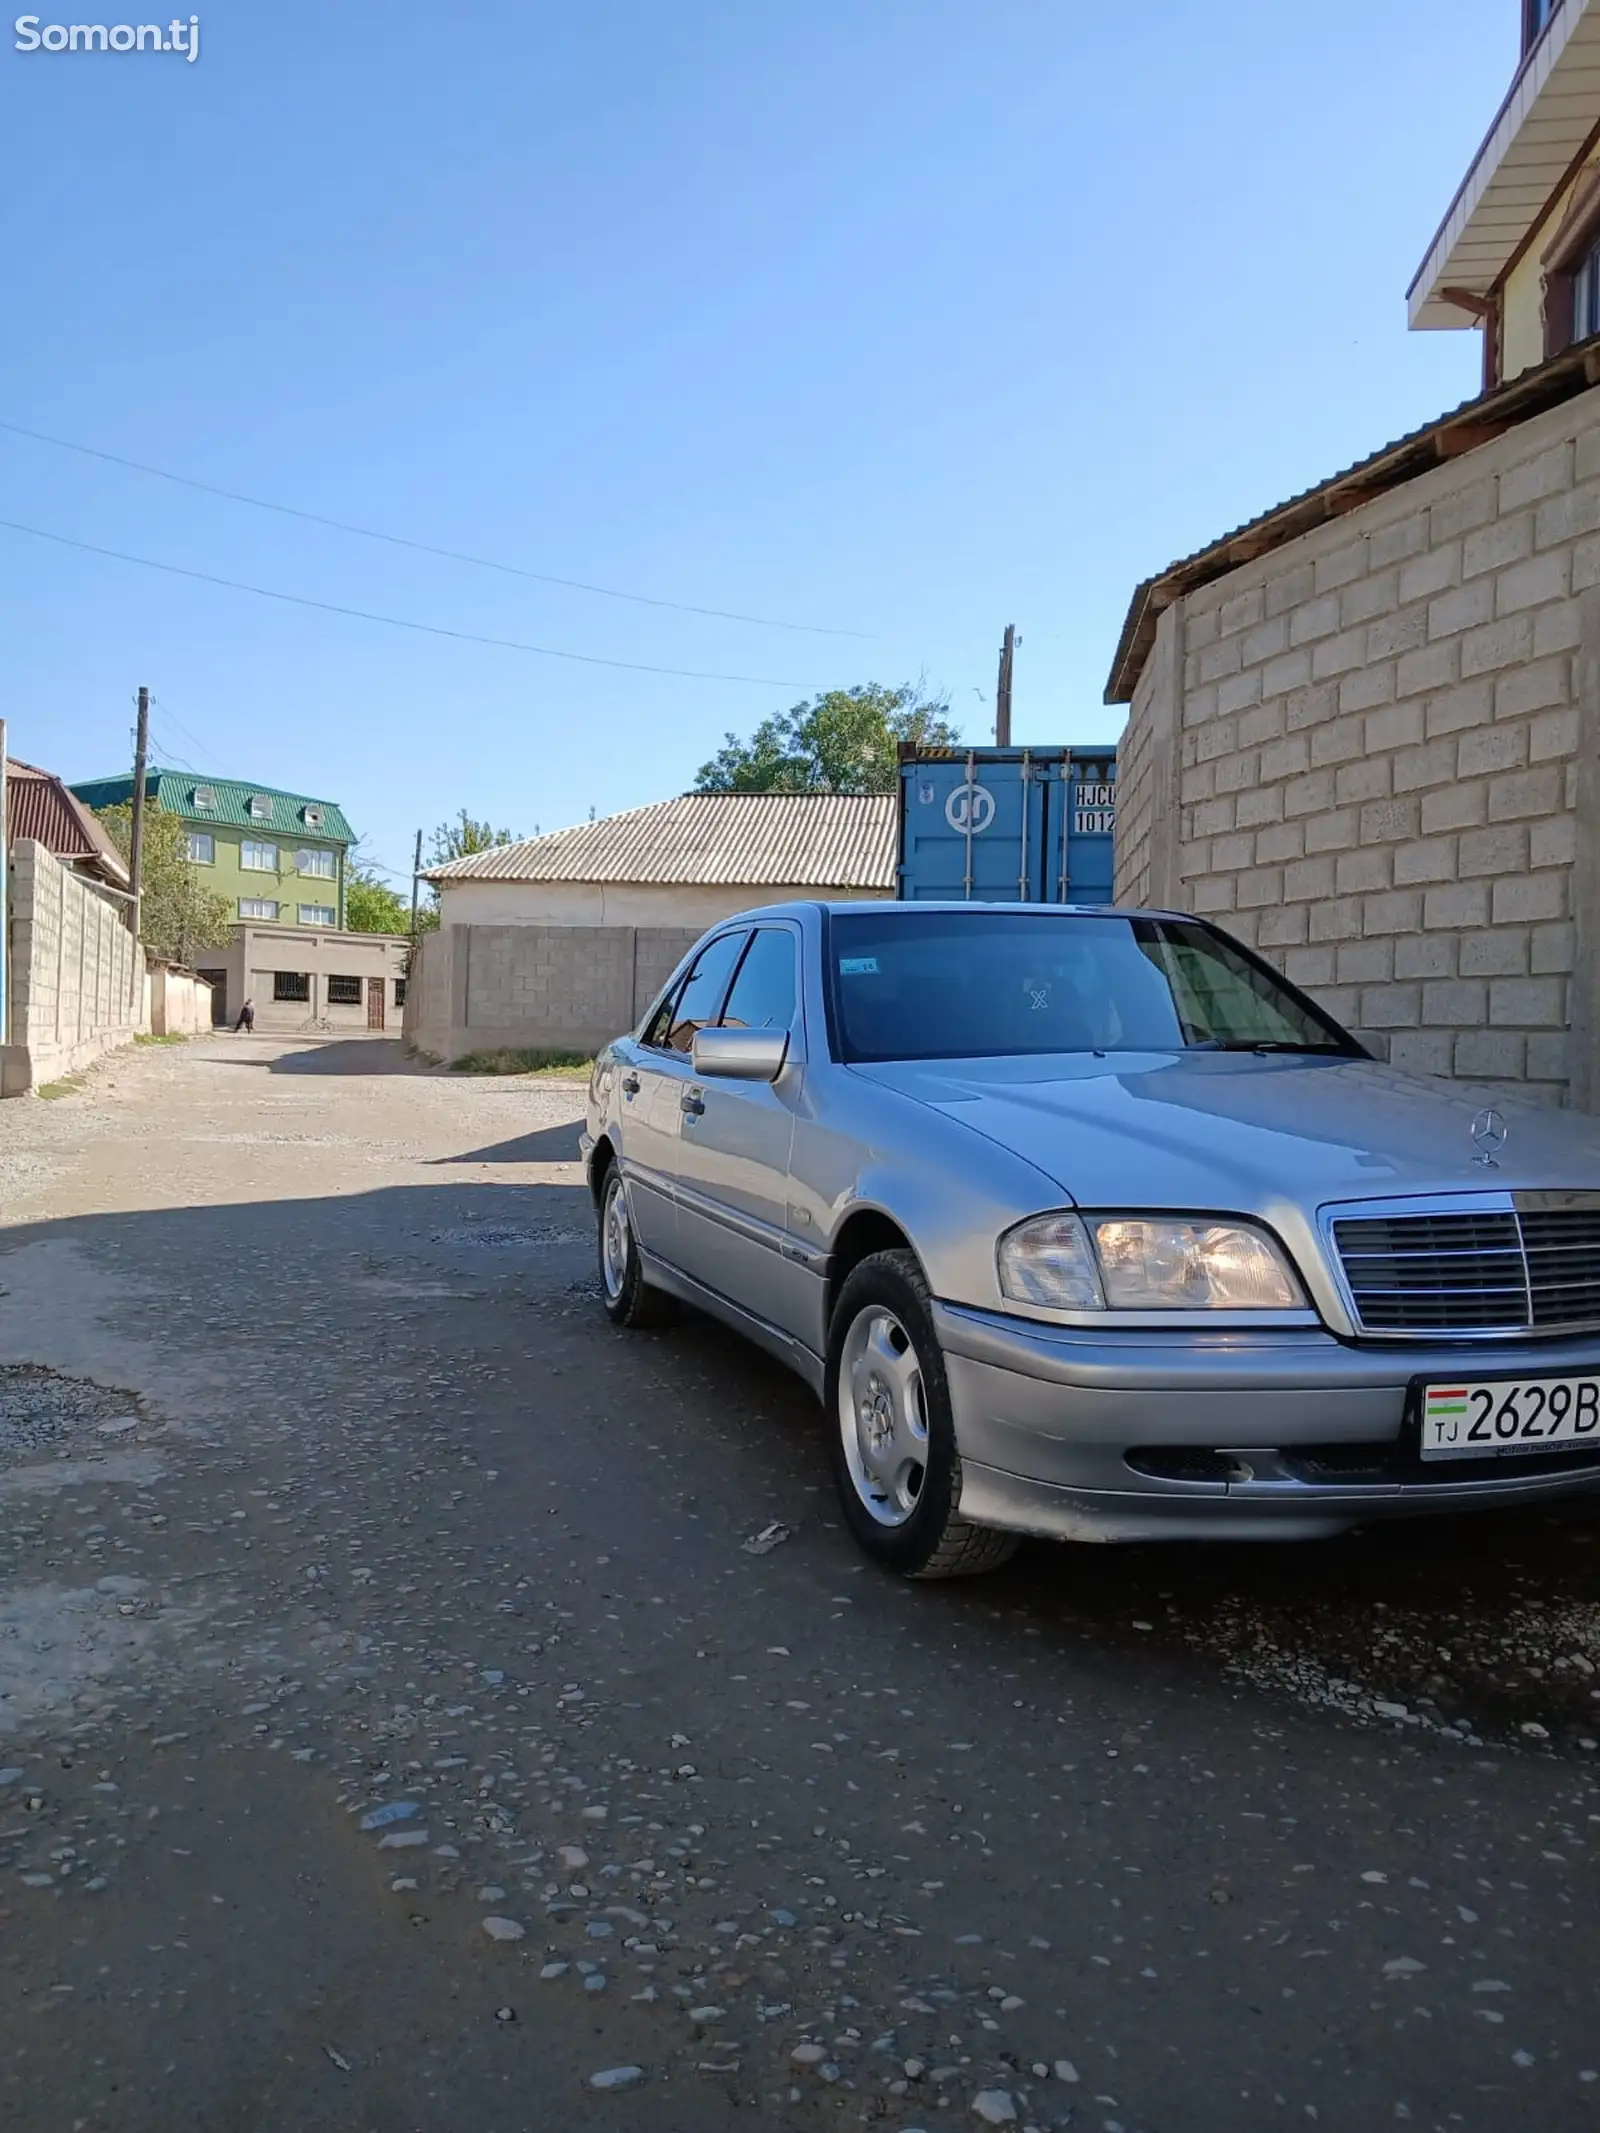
[629,1298]
[891,1430]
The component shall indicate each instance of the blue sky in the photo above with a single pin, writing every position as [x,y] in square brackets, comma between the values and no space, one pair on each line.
[900,317]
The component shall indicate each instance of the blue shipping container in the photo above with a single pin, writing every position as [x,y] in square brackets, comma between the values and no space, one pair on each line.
[1007,825]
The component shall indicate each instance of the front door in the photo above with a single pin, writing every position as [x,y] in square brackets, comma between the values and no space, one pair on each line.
[374,1003]
[734,1146]
[655,1073]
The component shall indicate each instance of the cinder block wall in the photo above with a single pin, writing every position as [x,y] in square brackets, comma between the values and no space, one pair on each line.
[1373,754]
[553,988]
[76,984]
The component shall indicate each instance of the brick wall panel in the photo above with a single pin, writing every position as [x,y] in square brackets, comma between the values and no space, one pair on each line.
[1415,859]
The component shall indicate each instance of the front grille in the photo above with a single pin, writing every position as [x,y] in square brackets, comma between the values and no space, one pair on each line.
[1523,1269]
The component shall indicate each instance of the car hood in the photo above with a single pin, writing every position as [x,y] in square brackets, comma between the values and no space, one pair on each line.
[1237,1132]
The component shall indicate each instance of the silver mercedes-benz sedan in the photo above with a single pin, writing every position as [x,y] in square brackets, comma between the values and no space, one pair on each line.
[1084,1223]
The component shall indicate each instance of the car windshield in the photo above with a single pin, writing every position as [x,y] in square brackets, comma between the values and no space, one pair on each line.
[989,984]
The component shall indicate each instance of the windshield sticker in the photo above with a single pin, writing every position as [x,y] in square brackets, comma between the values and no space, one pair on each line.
[858,966]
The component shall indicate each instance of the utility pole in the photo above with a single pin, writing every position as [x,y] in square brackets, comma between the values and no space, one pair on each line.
[1002,694]
[141,753]
[416,886]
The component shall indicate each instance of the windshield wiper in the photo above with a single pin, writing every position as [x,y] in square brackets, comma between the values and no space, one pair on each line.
[1266,1045]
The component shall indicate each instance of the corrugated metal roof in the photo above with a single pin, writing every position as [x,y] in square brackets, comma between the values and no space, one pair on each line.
[38,805]
[174,793]
[1463,429]
[722,839]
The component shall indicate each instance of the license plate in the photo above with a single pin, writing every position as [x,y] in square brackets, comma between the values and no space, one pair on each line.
[1508,1416]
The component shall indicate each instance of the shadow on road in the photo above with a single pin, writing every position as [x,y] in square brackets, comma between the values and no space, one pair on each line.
[547,1144]
[326,1055]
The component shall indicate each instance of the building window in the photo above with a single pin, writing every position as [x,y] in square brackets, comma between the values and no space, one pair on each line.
[258,858]
[317,915]
[318,863]
[205,799]
[1572,269]
[257,907]
[291,985]
[260,807]
[202,848]
[399,992]
[1586,295]
[311,817]
[1536,16]
[344,992]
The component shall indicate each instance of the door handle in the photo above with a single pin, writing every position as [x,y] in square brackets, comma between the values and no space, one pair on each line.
[692,1103]
[630,1084]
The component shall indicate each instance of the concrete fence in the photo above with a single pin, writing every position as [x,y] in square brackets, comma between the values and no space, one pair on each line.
[179,1003]
[555,988]
[75,974]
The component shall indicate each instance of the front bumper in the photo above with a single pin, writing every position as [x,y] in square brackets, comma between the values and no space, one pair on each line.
[1258,1434]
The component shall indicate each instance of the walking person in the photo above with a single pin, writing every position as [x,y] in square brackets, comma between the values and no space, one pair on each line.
[247,1019]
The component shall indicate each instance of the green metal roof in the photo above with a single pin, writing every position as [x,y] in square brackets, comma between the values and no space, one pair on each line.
[175,793]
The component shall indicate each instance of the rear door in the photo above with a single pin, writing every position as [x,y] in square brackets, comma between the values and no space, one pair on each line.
[734,1144]
[655,1076]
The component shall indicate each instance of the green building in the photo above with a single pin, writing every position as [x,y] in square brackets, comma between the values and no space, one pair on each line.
[279,857]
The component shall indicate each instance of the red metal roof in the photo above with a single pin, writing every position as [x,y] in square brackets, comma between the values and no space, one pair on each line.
[39,806]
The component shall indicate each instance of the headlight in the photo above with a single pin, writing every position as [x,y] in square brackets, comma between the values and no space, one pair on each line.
[1166,1265]
[1145,1263]
[1048,1262]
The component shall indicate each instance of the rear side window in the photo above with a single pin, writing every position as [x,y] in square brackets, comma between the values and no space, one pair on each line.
[763,995]
[700,999]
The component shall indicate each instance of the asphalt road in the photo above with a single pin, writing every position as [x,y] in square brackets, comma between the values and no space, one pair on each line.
[359,1586]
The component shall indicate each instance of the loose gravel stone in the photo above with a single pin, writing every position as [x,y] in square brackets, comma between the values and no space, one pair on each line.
[617,2077]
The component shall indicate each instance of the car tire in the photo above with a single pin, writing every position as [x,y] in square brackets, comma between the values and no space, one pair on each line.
[887,1401]
[629,1299]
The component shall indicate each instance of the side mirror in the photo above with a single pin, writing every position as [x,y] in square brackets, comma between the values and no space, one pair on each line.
[740,1054]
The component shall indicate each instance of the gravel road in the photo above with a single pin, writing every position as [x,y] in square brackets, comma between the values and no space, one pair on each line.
[398,1731]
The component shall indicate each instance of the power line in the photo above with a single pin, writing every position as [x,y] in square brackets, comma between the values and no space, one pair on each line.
[398,622]
[164,706]
[400,540]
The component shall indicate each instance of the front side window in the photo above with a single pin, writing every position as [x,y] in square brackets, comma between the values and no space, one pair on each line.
[313,862]
[344,992]
[317,915]
[399,992]
[257,857]
[202,848]
[291,985]
[257,907]
[763,995]
[698,1000]
[986,984]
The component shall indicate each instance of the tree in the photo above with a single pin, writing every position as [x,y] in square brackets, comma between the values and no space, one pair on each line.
[462,837]
[178,915]
[844,741]
[370,905]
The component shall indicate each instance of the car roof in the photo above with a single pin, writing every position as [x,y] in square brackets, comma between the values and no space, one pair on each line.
[881,905]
